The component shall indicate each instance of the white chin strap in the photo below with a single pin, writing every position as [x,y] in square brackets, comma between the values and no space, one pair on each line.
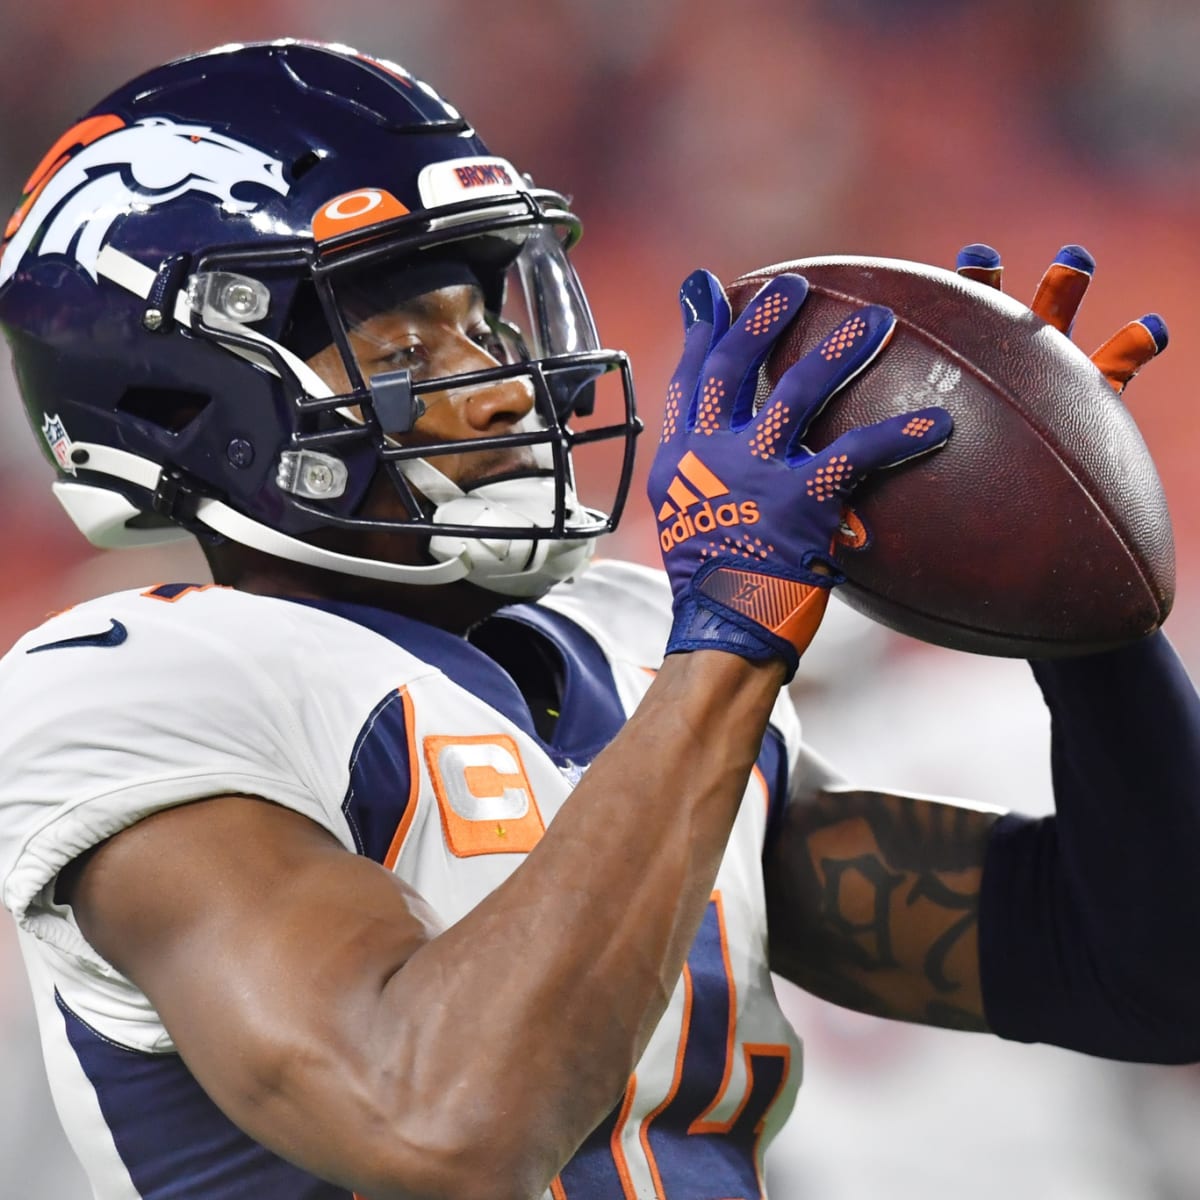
[511,566]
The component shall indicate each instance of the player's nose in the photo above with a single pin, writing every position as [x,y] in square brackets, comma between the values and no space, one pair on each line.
[505,402]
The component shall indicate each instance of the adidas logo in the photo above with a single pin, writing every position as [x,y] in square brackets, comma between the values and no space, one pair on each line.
[690,510]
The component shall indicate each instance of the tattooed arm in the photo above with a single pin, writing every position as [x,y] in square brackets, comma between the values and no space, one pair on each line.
[1077,929]
[873,900]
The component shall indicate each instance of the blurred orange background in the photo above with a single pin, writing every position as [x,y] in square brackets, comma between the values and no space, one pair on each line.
[730,136]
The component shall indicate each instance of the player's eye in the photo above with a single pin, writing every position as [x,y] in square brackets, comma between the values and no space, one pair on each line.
[502,341]
[490,341]
[412,355]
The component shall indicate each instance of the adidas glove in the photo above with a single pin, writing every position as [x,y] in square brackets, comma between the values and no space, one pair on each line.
[1057,300]
[746,514]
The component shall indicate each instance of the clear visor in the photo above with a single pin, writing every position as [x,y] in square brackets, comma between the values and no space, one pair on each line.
[479,357]
[460,307]
[453,365]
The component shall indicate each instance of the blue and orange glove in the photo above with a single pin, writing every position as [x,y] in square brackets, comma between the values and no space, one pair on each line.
[747,515]
[1057,300]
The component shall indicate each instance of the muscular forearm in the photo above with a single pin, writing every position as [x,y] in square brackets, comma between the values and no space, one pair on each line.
[1088,919]
[321,1004]
[570,963]
[873,901]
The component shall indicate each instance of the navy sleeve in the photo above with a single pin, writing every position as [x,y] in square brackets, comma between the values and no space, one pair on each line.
[772,762]
[1089,920]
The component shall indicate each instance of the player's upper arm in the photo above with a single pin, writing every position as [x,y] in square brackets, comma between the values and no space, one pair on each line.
[873,899]
[265,947]
[125,706]
[130,704]
[132,735]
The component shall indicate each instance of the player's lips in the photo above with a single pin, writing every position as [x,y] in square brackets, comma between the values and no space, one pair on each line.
[491,466]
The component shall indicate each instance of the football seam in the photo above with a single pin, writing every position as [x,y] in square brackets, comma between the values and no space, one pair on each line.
[1070,468]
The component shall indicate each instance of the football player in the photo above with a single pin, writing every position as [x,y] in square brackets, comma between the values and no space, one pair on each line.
[410,857]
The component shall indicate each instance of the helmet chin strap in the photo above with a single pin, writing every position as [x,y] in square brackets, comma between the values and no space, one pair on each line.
[522,567]
[103,517]
[511,566]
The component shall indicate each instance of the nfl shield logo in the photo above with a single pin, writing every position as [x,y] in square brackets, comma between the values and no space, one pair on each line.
[56,437]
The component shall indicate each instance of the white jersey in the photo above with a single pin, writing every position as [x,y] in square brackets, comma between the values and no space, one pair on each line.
[411,747]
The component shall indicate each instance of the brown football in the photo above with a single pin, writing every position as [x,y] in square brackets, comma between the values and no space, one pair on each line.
[1040,529]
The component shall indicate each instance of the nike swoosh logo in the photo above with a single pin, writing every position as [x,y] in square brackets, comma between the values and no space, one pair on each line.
[112,636]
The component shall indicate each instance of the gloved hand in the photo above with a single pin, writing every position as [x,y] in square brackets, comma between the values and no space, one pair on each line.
[747,515]
[1057,300]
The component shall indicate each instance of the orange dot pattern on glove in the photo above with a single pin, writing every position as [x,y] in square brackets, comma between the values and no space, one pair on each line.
[917,427]
[753,548]
[842,338]
[671,415]
[827,480]
[788,608]
[710,406]
[767,314]
[772,422]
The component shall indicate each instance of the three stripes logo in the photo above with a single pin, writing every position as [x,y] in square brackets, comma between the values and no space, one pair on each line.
[694,505]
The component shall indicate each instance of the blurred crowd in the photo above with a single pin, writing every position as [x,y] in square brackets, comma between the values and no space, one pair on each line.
[731,136]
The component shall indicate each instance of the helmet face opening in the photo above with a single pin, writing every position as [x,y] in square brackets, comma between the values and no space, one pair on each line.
[475,356]
[365,293]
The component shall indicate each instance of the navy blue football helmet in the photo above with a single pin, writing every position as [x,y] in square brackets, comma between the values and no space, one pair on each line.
[182,252]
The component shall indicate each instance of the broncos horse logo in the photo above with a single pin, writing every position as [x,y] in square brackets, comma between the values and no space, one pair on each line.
[75,194]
